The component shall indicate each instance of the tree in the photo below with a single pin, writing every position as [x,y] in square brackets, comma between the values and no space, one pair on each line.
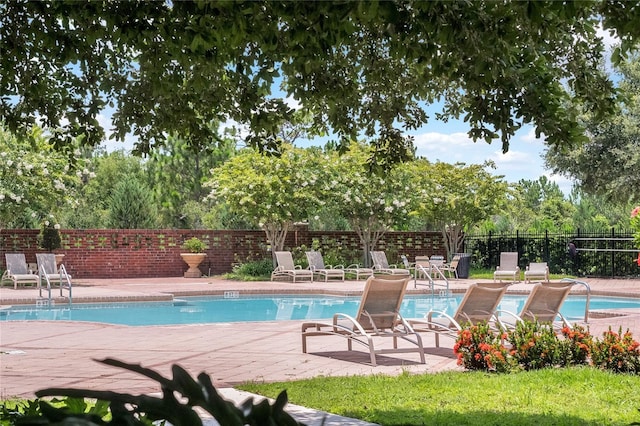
[371,203]
[537,206]
[273,192]
[99,177]
[355,67]
[608,164]
[177,172]
[35,180]
[131,205]
[456,197]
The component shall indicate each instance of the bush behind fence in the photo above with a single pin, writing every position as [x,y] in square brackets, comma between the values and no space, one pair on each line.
[608,253]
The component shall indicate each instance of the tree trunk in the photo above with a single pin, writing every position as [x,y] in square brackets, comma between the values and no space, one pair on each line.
[276,235]
[369,237]
[453,237]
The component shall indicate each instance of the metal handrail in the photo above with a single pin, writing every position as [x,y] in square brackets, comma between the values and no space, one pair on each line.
[428,274]
[588,288]
[63,276]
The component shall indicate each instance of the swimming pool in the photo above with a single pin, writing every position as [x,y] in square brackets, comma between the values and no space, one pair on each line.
[205,310]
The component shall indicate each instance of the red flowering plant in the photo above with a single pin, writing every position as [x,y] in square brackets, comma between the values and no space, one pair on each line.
[534,345]
[478,347]
[617,352]
[576,345]
[635,227]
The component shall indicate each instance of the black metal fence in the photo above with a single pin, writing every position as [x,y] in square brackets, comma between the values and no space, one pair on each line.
[609,253]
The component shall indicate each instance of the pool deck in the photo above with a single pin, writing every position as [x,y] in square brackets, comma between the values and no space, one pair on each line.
[39,354]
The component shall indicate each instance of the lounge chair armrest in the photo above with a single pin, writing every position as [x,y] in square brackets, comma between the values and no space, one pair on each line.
[441,314]
[336,322]
[513,319]
[428,320]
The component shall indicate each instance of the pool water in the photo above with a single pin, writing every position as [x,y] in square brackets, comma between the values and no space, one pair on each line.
[204,310]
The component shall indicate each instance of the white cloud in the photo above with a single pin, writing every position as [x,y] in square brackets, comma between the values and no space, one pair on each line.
[522,161]
[292,102]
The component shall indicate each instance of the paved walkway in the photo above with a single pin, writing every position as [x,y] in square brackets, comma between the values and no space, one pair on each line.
[38,354]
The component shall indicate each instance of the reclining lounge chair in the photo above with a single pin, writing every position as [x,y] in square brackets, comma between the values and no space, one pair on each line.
[288,270]
[377,318]
[479,303]
[18,271]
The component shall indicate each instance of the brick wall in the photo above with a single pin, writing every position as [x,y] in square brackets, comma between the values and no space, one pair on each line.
[138,253]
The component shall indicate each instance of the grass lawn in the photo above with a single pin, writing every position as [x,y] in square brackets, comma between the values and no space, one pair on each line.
[571,396]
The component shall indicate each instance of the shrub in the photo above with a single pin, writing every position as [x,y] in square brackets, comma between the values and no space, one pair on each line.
[194,245]
[478,347]
[617,352]
[576,345]
[253,269]
[534,345]
[49,237]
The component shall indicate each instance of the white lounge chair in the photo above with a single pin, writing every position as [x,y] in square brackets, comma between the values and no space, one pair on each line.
[508,268]
[536,270]
[542,305]
[317,266]
[451,267]
[479,303]
[359,271]
[382,266]
[378,316]
[288,270]
[18,271]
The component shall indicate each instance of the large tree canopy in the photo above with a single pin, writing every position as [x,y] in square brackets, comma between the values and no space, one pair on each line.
[356,67]
[609,163]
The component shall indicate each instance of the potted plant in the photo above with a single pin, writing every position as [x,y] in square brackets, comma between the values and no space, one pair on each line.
[194,256]
[49,237]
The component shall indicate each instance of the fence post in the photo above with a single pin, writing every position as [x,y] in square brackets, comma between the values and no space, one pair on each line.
[490,250]
[546,247]
[613,252]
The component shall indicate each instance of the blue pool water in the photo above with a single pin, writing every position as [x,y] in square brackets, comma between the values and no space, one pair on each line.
[204,310]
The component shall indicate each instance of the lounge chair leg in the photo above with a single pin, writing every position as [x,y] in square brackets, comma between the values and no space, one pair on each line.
[372,352]
[420,348]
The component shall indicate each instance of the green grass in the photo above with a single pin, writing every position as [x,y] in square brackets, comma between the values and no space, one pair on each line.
[487,274]
[575,396]
[252,272]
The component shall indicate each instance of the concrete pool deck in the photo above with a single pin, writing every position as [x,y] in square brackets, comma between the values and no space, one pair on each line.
[39,354]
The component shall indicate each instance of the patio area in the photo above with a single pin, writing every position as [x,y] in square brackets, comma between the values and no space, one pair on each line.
[39,354]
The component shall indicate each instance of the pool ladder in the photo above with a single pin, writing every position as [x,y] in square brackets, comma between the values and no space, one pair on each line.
[588,288]
[429,273]
[65,283]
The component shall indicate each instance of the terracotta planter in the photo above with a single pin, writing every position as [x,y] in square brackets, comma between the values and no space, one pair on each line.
[193,260]
[59,259]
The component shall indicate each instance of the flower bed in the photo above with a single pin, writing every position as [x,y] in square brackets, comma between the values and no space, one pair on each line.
[532,345]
